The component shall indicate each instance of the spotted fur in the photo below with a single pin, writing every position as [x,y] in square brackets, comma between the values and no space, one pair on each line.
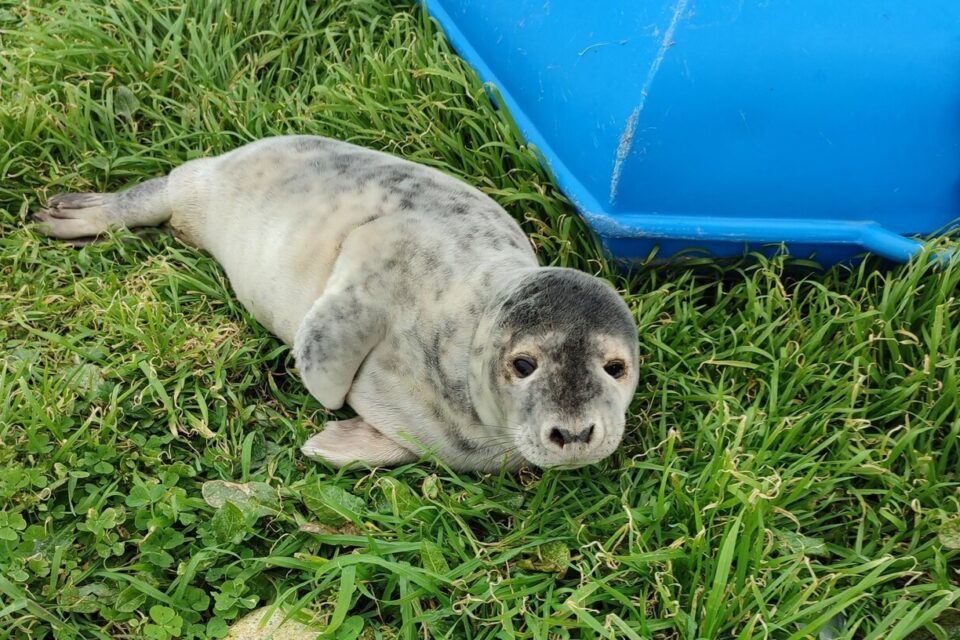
[404,293]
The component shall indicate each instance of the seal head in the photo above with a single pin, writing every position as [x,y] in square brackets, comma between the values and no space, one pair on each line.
[559,367]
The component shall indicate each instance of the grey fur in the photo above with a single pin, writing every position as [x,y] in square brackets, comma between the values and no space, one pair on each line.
[404,293]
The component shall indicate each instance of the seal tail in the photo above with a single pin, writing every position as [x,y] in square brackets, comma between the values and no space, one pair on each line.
[71,216]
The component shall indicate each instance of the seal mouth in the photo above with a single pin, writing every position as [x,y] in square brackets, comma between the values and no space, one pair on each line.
[531,451]
[567,466]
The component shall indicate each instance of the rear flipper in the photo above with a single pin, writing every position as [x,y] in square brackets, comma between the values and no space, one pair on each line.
[69,216]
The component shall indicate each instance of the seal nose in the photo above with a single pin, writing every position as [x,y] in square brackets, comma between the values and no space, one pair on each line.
[563,437]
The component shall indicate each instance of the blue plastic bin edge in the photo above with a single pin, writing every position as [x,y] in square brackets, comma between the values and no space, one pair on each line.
[706,230]
[871,236]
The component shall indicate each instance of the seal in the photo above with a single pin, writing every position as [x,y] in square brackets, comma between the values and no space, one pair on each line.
[405,293]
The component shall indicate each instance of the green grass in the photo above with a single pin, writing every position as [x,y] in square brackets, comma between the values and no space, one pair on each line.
[793,452]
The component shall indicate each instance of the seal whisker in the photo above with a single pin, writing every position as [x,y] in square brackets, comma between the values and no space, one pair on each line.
[480,463]
[515,427]
[505,454]
[493,441]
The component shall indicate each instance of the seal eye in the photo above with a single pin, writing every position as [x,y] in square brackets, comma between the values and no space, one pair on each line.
[615,369]
[524,366]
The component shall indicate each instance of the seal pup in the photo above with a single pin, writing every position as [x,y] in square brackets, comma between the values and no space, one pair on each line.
[405,293]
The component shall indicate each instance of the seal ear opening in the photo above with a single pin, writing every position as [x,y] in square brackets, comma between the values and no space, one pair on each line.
[346,442]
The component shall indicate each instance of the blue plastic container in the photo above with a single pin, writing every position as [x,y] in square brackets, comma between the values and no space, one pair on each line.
[830,125]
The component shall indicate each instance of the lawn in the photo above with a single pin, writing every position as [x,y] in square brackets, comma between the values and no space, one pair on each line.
[791,469]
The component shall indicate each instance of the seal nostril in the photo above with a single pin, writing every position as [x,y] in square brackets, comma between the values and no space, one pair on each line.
[556,437]
[562,437]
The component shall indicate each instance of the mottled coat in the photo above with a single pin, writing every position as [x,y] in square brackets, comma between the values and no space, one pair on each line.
[405,293]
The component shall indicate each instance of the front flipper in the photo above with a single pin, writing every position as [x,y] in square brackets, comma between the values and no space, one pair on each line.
[332,342]
[346,441]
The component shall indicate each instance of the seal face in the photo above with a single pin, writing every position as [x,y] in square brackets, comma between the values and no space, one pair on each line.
[563,363]
[405,293]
